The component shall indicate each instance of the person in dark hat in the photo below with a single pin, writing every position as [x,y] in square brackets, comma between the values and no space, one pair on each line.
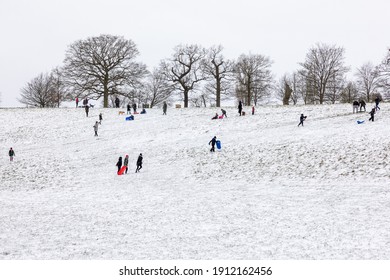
[301,119]
[372,114]
[212,142]
[11,154]
[119,163]
[139,163]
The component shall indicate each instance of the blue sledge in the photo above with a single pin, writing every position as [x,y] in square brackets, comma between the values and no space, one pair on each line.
[360,122]
[218,143]
[130,118]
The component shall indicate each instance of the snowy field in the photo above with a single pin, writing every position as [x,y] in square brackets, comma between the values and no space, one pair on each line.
[274,191]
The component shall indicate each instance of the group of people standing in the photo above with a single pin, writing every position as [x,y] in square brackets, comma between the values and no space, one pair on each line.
[241,112]
[134,106]
[356,105]
[126,163]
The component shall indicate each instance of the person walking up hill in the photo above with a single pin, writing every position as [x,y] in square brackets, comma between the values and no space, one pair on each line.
[119,164]
[240,107]
[212,142]
[224,113]
[301,119]
[372,113]
[165,106]
[139,163]
[377,100]
[95,128]
[11,154]
[126,163]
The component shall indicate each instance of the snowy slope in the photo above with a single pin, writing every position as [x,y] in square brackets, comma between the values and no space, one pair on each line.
[274,191]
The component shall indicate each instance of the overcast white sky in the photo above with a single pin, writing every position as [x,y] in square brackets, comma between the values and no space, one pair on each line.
[36,33]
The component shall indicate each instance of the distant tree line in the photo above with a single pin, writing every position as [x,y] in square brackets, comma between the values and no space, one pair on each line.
[106,67]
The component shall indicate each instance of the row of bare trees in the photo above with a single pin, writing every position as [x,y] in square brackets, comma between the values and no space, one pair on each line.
[105,67]
[322,79]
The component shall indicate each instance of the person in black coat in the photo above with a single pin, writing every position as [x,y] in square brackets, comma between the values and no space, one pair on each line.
[119,163]
[224,113]
[362,105]
[117,101]
[355,106]
[139,163]
[212,142]
[11,154]
[135,107]
[165,106]
[377,100]
[128,109]
[302,118]
[372,113]
[239,107]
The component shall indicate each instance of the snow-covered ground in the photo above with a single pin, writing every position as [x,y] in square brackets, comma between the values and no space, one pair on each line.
[274,191]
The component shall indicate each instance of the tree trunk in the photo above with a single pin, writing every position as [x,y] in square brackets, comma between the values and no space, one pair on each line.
[105,86]
[218,93]
[248,88]
[204,101]
[287,94]
[186,98]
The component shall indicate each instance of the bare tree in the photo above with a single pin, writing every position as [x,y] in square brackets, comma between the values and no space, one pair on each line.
[158,89]
[323,63]
[384,72]
[101,66]
[253,77]
[219,72]
[334,88]
[137,96]
[288,88]
[349,93]
[59,93]
[368,80]
[309,86]
[296,86]
[39,92]
[183,70]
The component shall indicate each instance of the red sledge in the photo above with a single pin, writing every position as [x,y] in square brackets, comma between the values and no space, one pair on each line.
[122,170]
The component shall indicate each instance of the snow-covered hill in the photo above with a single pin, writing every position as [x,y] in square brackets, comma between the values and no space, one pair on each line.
[274,190]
